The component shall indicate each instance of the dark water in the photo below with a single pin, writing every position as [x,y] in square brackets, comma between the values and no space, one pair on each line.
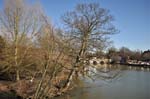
[130,83]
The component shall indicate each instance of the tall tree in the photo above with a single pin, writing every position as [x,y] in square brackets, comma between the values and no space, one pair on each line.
[89,24]
[19,24]
[125,52]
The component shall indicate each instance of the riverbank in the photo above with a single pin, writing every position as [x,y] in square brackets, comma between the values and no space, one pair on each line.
[26,89]
[136,65]
[16,90]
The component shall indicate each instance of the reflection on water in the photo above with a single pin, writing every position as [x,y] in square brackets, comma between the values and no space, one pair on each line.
[130,83]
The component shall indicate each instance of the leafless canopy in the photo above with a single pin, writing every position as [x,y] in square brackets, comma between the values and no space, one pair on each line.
[89,23]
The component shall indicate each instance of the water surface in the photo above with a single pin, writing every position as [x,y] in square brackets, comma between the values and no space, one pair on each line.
[130,83]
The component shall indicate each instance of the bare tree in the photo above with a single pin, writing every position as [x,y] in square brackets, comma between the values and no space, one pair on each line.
[19,24]
[52,56]
[89,25]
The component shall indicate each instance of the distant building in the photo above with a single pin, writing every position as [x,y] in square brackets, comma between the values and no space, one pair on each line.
[116,59]
[146,55]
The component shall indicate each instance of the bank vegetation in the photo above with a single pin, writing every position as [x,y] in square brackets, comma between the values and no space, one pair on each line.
[42,61]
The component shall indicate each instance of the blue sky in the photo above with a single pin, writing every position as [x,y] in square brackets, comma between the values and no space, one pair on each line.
[132,19]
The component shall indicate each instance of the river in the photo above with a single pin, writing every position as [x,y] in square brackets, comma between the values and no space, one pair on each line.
[128,83]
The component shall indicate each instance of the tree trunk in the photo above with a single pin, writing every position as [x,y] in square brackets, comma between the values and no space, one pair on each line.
[17,75]
[16,28]
[76,65]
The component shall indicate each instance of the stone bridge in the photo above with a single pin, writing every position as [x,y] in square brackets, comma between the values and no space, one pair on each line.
[95,61]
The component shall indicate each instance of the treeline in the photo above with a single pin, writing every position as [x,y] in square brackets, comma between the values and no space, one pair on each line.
[124,53]
[31,48]
[129,54]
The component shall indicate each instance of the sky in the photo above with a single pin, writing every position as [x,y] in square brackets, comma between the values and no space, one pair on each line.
[132,19]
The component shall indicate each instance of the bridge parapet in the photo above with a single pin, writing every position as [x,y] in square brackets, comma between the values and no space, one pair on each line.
[99,61]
